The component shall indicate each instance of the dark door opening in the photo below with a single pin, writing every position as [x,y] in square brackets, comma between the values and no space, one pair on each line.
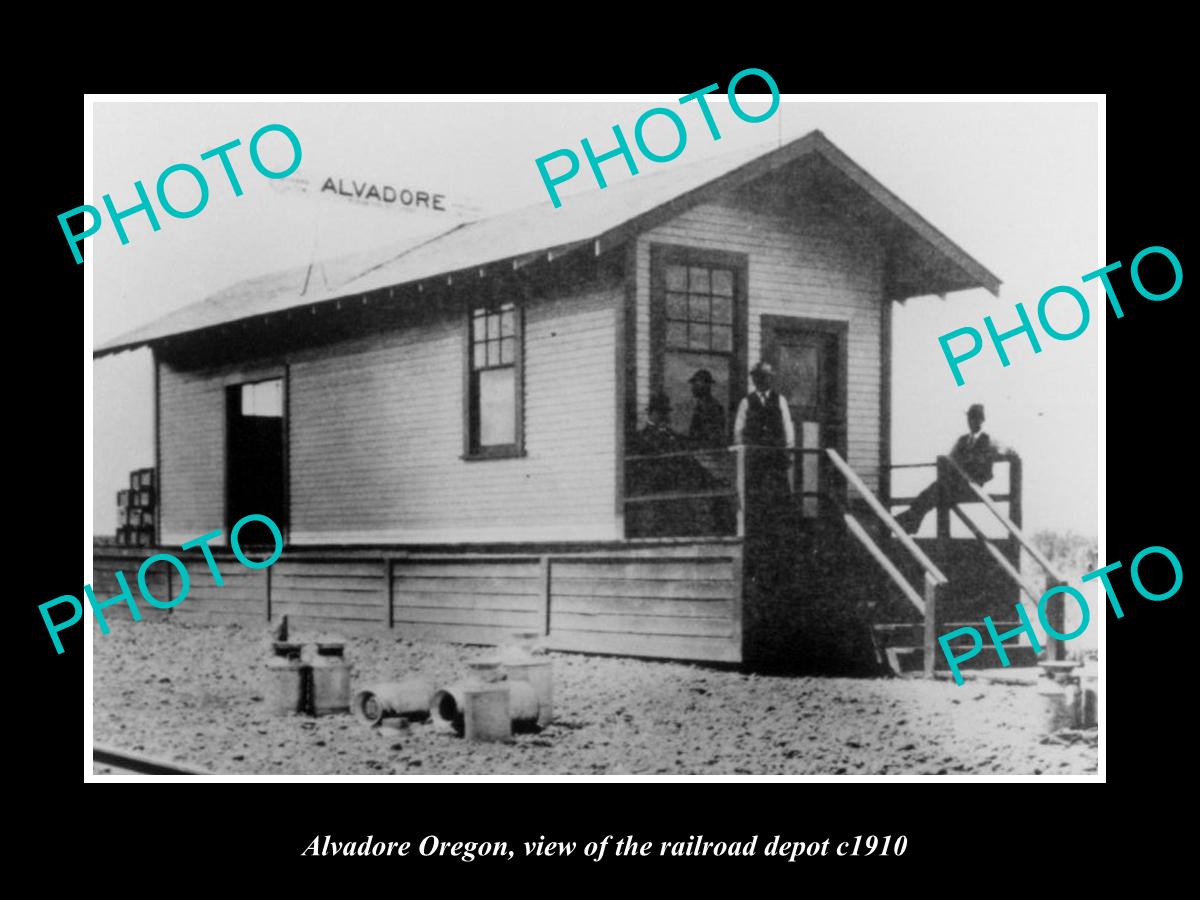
[255,461]
[809,358]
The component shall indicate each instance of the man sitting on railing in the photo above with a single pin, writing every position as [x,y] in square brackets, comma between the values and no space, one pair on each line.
[975,453]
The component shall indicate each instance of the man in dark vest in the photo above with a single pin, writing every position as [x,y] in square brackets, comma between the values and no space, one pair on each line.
[975,453]
[764,426]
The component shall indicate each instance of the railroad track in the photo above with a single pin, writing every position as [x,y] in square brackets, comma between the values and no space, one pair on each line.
[124,761]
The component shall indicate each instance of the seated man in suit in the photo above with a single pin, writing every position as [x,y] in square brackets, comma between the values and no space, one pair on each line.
[974,452]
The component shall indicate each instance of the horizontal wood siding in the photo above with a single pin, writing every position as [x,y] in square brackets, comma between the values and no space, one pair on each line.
[472,601]
[802,263]
[105,565]
[241,599]
[328,592]
[191,431]
[666,606]
[376,435]
[678,601]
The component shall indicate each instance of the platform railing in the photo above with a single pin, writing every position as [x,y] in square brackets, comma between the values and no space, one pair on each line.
[934,579]
[716,491]
[683,493]
[1057,649]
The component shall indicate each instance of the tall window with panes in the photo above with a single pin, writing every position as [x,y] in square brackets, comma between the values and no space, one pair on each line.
[696,318]
[494,380]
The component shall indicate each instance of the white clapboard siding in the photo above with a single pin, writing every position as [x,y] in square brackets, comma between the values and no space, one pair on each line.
[191,434]
[376,435]
[799,265]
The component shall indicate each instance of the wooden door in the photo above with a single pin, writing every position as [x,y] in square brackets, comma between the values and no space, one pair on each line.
[809,361]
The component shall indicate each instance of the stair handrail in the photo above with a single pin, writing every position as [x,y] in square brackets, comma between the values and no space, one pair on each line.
[886,564]
[886,517]
[1007,523]
[1001,560]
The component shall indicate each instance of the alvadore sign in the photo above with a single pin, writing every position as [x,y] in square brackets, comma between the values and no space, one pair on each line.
[363,190]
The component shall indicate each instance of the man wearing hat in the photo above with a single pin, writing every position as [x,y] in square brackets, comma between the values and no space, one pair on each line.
[974,452]
[708,418]
[658,436]
[764,420]
[657,476]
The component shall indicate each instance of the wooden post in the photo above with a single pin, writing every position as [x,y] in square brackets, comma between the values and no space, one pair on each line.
[931,636]
[741,490]
[1056,616]
[544,618]
[389,573]
[943,507]
[1015,507]
[1014,489]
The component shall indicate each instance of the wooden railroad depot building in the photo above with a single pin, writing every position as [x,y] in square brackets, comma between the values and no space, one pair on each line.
[444,429]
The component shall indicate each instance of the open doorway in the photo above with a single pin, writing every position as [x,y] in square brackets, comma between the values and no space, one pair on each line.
[255,456]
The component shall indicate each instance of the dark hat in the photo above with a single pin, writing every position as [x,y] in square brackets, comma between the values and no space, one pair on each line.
[660,402]
[702,375]
[762,367]
[975,408]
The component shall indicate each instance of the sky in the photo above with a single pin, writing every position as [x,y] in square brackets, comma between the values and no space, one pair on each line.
[1013,184]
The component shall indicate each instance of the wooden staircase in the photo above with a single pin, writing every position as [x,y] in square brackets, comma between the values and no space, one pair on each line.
[962,582]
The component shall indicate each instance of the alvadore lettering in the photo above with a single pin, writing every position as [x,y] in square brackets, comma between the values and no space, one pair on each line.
[663,155]
[388,194]
[144,205]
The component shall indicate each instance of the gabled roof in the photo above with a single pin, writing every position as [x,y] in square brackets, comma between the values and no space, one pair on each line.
[608,217]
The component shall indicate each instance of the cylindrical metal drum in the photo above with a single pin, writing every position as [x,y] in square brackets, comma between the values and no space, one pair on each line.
[485,712]
[521,646]
[537,671]
[1088,705]
[287,685]
[485,671]
[523,706]
[446,708]
[409,699]
[1053,711]
[330,680]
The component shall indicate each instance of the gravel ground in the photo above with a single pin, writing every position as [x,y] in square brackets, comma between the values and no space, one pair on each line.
[195,694]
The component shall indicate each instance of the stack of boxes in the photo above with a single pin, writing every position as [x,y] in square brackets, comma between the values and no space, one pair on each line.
[135,510]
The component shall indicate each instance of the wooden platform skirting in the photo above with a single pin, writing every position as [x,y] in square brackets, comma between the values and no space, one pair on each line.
[670,599]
